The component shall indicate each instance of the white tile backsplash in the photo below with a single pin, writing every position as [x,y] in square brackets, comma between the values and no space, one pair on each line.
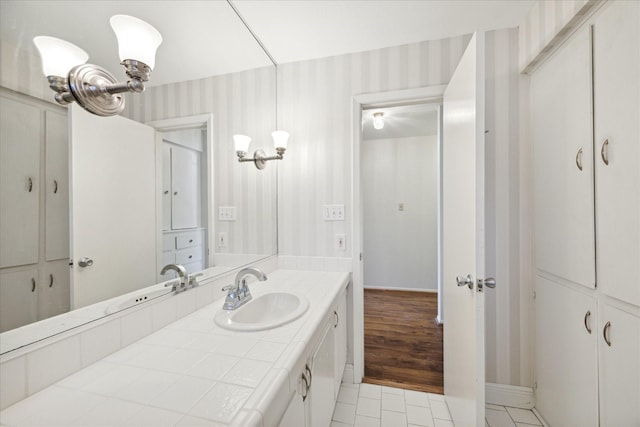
[163,313]
[13,375]
[135,326]
[49,364]
[98,342]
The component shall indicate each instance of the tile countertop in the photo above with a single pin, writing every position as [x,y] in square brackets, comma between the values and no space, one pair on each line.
[192,372]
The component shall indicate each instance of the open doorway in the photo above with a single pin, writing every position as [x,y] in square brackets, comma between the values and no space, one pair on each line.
[399,176]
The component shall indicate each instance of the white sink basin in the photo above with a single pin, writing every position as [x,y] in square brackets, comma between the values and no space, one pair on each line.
[135,300]
[265,312]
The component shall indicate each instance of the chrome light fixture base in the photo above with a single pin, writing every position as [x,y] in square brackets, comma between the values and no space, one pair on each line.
[89,86]
[260,158]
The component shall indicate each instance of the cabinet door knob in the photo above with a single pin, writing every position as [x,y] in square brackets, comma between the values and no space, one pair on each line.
[606,334]
[587,317]
[175,193]
[604,152]
[579,159]
[166,191]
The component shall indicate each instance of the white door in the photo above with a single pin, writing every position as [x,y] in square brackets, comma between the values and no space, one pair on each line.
[113,214]
[463,237]
[185,186]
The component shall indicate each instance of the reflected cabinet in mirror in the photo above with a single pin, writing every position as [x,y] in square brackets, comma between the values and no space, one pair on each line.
[93,207]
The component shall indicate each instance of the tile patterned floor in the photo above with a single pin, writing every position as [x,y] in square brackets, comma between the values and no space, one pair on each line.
[368,405]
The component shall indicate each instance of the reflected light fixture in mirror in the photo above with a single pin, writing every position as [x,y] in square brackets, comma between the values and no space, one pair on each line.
[91,86]
[241,142]
[378,121]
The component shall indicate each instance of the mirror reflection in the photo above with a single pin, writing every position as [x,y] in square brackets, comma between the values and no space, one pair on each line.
[94,207]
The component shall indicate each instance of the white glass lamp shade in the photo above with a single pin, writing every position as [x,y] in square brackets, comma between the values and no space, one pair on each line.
[137,40]
[58,56]
[241,143]
[378,121]
[280,139]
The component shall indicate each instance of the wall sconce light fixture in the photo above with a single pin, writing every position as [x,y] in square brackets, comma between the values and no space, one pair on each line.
[259,159]
[378,121]
[91,86]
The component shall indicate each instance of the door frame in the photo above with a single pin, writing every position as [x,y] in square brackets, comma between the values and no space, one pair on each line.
[177,123]
[431,94]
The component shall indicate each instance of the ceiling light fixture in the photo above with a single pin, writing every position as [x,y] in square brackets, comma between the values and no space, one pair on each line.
[91,86]
[378,121]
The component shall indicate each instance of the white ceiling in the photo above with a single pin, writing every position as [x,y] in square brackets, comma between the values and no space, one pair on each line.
[205,38]
[402,121]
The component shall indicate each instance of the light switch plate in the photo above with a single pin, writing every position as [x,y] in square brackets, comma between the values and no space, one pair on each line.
[227,213]
[333,212]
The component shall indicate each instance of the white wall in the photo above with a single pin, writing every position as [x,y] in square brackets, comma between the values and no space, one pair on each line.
[400,246]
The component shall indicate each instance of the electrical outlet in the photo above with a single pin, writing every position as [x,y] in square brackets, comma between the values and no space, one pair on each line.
[333,212]
[341,242]
[227,213]
[222,239]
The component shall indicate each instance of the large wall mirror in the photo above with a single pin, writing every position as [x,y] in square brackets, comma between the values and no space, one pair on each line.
[90,212]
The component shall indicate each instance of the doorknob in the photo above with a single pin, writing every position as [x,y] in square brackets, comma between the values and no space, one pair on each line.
[85,262]
[489,282]
[465,281]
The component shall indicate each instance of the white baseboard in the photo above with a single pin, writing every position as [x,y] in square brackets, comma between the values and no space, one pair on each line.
[509,395]
[398,288]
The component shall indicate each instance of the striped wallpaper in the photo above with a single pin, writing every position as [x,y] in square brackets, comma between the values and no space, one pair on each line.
[241,103]
[546,25]
[315,107]
[22,72]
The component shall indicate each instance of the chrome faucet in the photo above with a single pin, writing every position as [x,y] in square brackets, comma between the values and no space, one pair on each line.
[177,285]
[239,293]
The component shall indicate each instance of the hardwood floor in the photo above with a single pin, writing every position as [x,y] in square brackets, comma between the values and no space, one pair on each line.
[402,341]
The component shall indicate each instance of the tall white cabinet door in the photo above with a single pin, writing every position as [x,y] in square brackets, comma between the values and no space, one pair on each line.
[18,298]
[185,183]
[619,368]
[563,163]
[56,186]
[617,142]
[566,356]
[166,187]
[20,136]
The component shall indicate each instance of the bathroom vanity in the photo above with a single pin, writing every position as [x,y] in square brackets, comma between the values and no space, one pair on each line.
[194,372]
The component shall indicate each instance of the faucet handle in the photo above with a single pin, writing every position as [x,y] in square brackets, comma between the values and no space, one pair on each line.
[192,279]
[228,288]
[172,283]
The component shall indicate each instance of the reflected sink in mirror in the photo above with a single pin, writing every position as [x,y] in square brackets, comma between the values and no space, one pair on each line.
[265,312]
[133,300]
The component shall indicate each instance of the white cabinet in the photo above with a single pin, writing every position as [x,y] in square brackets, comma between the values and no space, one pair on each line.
[566,374]
[314,400]
[185,188]
[53,289]
[20,136]
[616,76]
[56,187]
[619,350]
[563,163]
[321,391]
[340,337]
[19,297]
[587,227]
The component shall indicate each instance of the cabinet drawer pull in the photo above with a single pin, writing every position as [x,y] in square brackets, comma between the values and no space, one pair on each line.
[604,152]
[305,387]
[30,184]
[175,193]
[335,313]
[579,159]
[166,191]
[605,333]
[33,284]
[55,186]
[51,280]
[587,317]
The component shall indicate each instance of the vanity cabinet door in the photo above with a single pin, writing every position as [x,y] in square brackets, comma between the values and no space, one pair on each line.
[20,136]
[56,186]
[321,391]
[18,298]
[294,416]
[53,289]
[166,187]
[340,337]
